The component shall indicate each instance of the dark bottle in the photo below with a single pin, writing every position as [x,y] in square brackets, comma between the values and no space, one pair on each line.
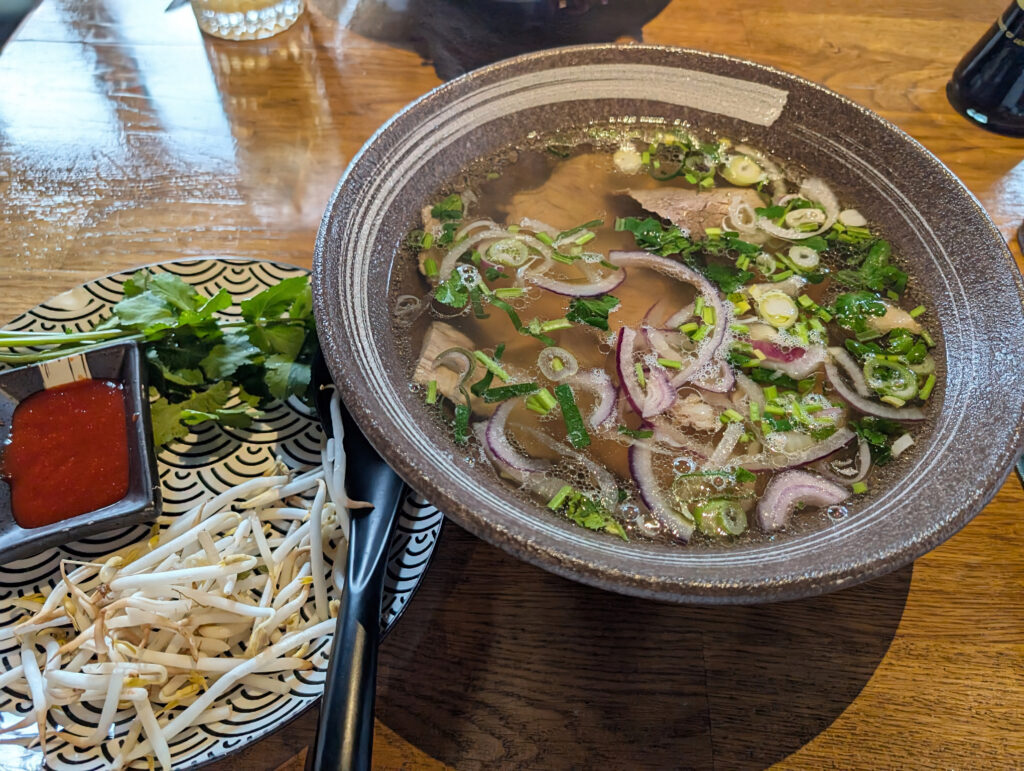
[988,85]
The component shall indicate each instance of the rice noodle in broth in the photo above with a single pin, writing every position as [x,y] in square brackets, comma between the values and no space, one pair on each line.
[661,334]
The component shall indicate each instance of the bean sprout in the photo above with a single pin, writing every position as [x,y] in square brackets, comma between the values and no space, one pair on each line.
[218,596]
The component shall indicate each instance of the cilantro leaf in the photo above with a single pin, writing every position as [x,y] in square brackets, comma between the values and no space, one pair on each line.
[852,310]
[452,291]
[589,514]
[728,278]
[592,310]
[274,300]
[652,236]
[448,209]
[143,310]
[172,421]
[285,376]
[173,290]
[226,357]
[875,272]
[878,433]
[286,339]
[770,212]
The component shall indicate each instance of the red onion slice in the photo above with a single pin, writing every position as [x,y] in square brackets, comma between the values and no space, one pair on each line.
[642,469]
[624,366]
[602,478]
[680,272]
[498,444]
[768,461]
[720,383]
[599,383]
[776,352]
[788,489]
[866,405]
[660,394]
[849,366]
[726,445]
[603,285]
[666,433]
[807,363]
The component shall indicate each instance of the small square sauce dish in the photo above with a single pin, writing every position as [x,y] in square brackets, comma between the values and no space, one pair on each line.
[76,450]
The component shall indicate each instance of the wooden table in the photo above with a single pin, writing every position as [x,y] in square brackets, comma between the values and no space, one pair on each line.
[126,137]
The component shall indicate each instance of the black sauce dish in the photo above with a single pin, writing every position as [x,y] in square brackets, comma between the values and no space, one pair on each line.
[120,362]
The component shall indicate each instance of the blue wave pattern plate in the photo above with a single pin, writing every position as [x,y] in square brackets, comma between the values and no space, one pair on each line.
[206,462]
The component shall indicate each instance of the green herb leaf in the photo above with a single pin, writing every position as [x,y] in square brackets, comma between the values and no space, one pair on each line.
[285,376]
[592,310]
[578,436]
[728,278]
[851,310]
[452,291]
[226,357]
[448,209]
[878,433]
[652,236]
[274,300]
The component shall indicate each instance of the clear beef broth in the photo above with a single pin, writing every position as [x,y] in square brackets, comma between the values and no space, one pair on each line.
[580,182]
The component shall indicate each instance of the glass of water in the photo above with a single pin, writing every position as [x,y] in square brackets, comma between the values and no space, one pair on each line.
[246,19]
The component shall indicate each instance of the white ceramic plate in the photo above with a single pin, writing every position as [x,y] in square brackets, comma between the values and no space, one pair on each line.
[208,461]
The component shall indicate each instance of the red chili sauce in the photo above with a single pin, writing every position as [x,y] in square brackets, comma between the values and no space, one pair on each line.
[67,453]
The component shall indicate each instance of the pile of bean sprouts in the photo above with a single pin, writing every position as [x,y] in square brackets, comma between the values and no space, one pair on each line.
[165,628]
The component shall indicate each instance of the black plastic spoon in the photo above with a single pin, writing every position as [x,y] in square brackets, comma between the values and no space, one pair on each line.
[344,737]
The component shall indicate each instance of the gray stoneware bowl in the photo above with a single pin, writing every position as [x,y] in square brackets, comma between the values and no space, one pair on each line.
[956,256]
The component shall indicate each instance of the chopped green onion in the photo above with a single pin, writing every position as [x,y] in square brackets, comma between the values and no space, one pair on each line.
[586,238]
[731,416]
[743,262]
[917,311]
[698,306]
[502,393]
[670,363]
[859,488]
[740,329]
[801,330]
[643,433]
[774,409]
[559,498]
[639,369]
[556,324]
[891,295]
[708,315]
[484,383]
[645,157]
[509,291]
[544,238]
[782,276]
[700,334]
[805,385]
[771,393]
[430,267]
[491,365]
[895,401]
[926,389]
[805,301]
[461,423]
[578,436]
[816,325]
[755,412]
[565,259]
[689,327]
[713,232]
[428,240]
[824,315]
[541,402]
[927,338]
[432,392]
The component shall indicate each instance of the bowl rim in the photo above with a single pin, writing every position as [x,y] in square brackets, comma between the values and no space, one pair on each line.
[547,554]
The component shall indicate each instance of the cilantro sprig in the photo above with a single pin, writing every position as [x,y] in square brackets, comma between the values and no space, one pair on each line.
[201,367]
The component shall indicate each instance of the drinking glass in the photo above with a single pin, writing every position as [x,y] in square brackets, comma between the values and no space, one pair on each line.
[246,19]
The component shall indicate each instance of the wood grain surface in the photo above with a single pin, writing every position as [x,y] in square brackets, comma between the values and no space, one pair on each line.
[126,137]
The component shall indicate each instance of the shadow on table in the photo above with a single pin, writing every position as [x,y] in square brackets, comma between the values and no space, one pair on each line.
[528,671]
